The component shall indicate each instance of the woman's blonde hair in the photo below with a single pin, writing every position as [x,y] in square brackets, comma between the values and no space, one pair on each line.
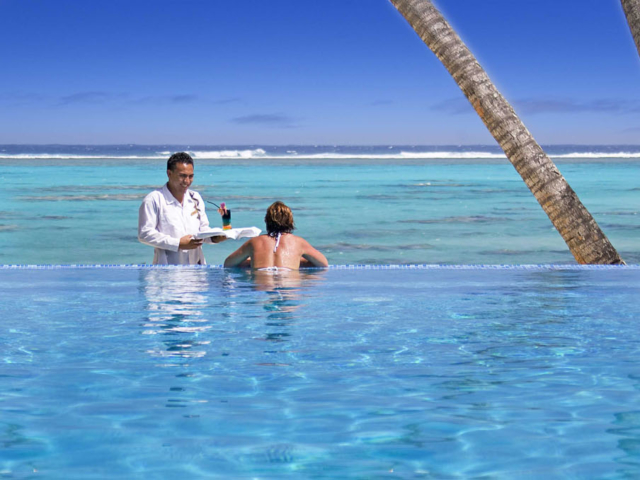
[279,219]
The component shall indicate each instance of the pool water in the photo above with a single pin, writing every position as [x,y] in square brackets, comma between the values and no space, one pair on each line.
[378,372]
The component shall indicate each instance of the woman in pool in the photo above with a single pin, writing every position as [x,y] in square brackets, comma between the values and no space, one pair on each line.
[279,248]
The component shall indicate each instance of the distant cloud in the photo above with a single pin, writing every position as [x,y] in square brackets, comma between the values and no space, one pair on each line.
[275,120]
[166,99]
[378,103]
[97,97]
[104,97]
[22,98]
[183,98]
[226,101]
[158,100]
[532,106]
[86,97]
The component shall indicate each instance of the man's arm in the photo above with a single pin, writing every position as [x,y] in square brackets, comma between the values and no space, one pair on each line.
[204,222]
[313,256]
[240,256]
[149,234]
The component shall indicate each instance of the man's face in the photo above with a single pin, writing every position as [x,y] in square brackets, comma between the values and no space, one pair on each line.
[180,178]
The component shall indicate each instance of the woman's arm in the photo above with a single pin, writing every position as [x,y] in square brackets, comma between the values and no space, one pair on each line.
[241,255]
[313,256]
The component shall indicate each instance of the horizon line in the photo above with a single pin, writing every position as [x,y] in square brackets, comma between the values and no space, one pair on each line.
[413,145]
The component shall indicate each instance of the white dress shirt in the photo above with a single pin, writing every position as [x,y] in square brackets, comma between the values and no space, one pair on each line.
[163,220]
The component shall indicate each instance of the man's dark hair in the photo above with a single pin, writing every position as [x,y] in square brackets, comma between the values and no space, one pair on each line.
[180,157]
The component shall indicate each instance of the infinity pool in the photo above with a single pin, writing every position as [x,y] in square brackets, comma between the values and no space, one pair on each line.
[378,372]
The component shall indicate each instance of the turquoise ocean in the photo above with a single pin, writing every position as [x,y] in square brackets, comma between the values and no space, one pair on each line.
[78,204]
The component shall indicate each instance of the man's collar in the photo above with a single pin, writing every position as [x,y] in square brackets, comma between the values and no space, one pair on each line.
[171,199]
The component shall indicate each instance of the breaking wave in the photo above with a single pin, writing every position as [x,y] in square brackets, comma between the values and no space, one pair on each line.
[140,153]
[62,156]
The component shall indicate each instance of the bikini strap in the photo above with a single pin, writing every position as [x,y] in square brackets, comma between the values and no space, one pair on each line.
[277,242]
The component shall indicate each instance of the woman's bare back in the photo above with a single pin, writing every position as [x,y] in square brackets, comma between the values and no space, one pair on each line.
[290,252]
[290,249]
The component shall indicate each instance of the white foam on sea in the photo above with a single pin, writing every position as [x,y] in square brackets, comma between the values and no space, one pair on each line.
[261,154]
[63,156]
[451,155]
[439,155]
[598,155]
[218,154]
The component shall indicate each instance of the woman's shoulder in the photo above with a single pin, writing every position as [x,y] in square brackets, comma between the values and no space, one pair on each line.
[298,239]
[259,240]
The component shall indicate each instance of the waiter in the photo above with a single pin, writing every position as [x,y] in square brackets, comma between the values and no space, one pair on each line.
[170,217]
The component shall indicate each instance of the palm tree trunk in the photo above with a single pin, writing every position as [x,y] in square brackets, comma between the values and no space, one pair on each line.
[587,242]
[632,11]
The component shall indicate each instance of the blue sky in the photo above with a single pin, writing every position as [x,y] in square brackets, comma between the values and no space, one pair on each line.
[349,72]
